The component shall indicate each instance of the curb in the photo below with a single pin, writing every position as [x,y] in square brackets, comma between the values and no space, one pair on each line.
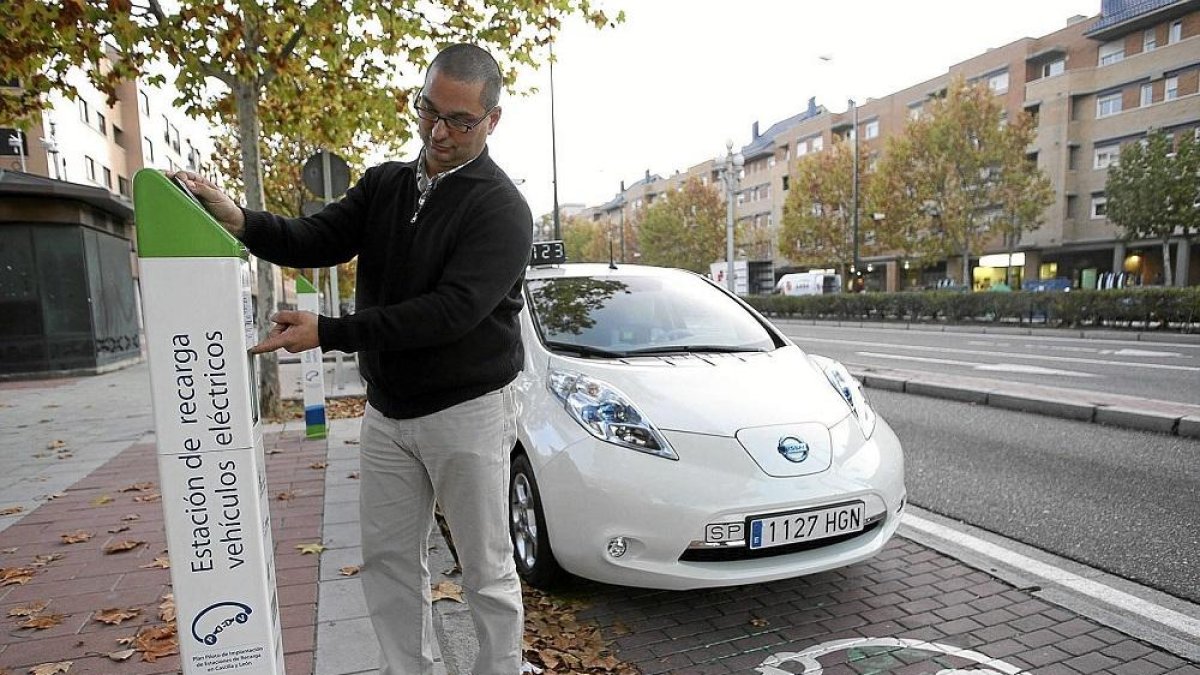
[1162,417]
[991,329]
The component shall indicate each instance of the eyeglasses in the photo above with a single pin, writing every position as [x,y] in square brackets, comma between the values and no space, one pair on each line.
[458,124]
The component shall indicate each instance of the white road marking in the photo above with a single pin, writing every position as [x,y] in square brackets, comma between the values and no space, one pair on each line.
[1101,593]
[1138,352]
[994,367]
[1047,338]
[976,352]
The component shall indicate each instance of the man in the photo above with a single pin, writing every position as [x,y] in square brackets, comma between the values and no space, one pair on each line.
[442,245]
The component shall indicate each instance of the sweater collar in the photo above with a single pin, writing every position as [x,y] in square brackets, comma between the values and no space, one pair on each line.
[472,168]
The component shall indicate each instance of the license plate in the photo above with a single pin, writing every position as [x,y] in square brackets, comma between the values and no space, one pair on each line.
[798,526]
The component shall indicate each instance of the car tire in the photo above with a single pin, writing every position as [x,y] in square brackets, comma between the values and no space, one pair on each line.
[527,528]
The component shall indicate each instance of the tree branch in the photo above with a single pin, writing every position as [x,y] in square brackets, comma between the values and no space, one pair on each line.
[284,54]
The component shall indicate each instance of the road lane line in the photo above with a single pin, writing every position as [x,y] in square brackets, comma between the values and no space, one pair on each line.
[977,352]
[1098,592]
[995,336]
[993,367]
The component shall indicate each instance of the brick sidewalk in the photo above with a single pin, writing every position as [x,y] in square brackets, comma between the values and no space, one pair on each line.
[908,592]
[80,579]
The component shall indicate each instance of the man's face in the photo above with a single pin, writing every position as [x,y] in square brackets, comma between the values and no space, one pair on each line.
[445,146]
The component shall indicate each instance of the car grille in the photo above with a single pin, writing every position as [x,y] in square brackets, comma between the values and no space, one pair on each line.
[745,553]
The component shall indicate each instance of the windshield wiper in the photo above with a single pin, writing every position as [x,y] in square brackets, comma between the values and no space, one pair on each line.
[691,349]
[583,350]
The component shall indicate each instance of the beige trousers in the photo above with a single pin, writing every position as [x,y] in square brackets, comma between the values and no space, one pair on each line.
[460,457]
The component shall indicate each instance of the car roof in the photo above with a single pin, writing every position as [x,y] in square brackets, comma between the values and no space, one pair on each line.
[600,270]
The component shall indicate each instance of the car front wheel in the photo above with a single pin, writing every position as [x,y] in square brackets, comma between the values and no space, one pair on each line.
[527,527]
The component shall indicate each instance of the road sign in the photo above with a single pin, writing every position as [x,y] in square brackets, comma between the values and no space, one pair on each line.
[324,164]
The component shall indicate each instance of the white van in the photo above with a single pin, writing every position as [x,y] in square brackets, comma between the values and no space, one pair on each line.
[809,283]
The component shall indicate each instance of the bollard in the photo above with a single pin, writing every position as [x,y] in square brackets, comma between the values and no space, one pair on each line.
[199,322]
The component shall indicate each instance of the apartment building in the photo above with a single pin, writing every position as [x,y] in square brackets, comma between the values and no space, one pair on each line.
[1091,86]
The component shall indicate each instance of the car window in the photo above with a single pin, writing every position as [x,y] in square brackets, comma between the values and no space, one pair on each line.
[625,314]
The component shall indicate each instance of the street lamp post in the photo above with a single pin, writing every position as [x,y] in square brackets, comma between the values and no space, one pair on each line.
[554,147]
[731,167]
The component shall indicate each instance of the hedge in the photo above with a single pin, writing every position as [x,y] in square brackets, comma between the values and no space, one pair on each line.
[1167,308]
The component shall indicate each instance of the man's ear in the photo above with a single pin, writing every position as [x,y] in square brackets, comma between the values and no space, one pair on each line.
[494,119]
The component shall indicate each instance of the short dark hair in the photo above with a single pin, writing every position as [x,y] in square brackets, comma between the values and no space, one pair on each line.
[470,63]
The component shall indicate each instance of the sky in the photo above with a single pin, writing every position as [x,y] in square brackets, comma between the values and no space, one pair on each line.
[668,87]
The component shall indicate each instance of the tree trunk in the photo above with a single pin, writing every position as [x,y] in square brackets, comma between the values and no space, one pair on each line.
[246,96]
[966,275]
[1168,278]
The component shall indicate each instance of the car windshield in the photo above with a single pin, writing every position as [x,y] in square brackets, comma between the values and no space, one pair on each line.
[616,316]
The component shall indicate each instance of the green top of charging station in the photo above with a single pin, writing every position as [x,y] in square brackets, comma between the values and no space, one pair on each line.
[171,225]
[303,285]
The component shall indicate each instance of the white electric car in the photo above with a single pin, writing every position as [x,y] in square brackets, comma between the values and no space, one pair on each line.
[670,437]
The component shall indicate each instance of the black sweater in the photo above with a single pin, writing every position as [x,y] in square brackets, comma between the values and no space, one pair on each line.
[436,300]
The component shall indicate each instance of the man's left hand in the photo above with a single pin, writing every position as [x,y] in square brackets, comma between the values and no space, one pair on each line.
[294,331]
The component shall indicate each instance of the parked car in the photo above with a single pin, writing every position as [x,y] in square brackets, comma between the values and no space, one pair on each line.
[670,437]
[1043,285]
[809,283]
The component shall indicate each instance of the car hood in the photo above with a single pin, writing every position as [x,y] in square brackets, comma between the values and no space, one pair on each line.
[720,394]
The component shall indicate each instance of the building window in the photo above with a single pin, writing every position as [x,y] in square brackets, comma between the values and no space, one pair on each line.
[1147,94]
[998,83]
[107,177]
[101,123]
[818,144]
[1054,68]
[1099,208]
[872,130]
[1109,104]
[118,136]
[785,178]
[1172,89]
[1106,156]
[1149,40]
[771,162]
[123,186]
[914,112]
[1112,52]
[83,112]
[1175,34]
[1073,157]
[175,138]
[145,102]
[89,168]
[801,148]
[148,151]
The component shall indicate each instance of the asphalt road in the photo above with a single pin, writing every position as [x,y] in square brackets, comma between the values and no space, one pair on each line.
[1158,370]
[1126,502]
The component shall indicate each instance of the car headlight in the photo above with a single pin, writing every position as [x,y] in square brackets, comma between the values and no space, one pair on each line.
[851,390]
[607,414]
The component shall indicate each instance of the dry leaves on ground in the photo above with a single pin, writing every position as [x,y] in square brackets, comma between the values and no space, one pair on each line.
[30,609]
[318,465]
[119,529]
[350,570]
[45,559]
[557,641]
[76,537]
[314,548]
[166,608]
[102,500]
[113,616]
[131,516]
[759,623]
[122,655]
[156,642]
[286,495]
[161,561]
[11,510]
[447,590]
[145,486]
[122,546]
[152,497]
[42,621]
[51,668]
[56,444]
[345,408]
[10,576]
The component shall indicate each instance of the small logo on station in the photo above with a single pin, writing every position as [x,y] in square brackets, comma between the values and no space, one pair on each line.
[793,449]
[216,619]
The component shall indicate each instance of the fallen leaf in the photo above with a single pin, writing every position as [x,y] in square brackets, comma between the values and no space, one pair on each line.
[119,529]
[138,487]
[122,546]
[152,497]
[42,621]
[166,608]
[102,500]
[13,549]
[30,609]
[56,495]
[56,444]
[272,451]
[448,590]
[314,548]
[11,510]
[759,623]
[353,475]
[286,495]
[51,668]
[161,561]
[156,642]
[15,575]
[113,616]
[64,455]
[350,570]
[76,537]
[318,465]
[131,516]
[46,559]
[122,655]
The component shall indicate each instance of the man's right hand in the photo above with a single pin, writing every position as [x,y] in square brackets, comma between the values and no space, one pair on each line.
[218,203]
